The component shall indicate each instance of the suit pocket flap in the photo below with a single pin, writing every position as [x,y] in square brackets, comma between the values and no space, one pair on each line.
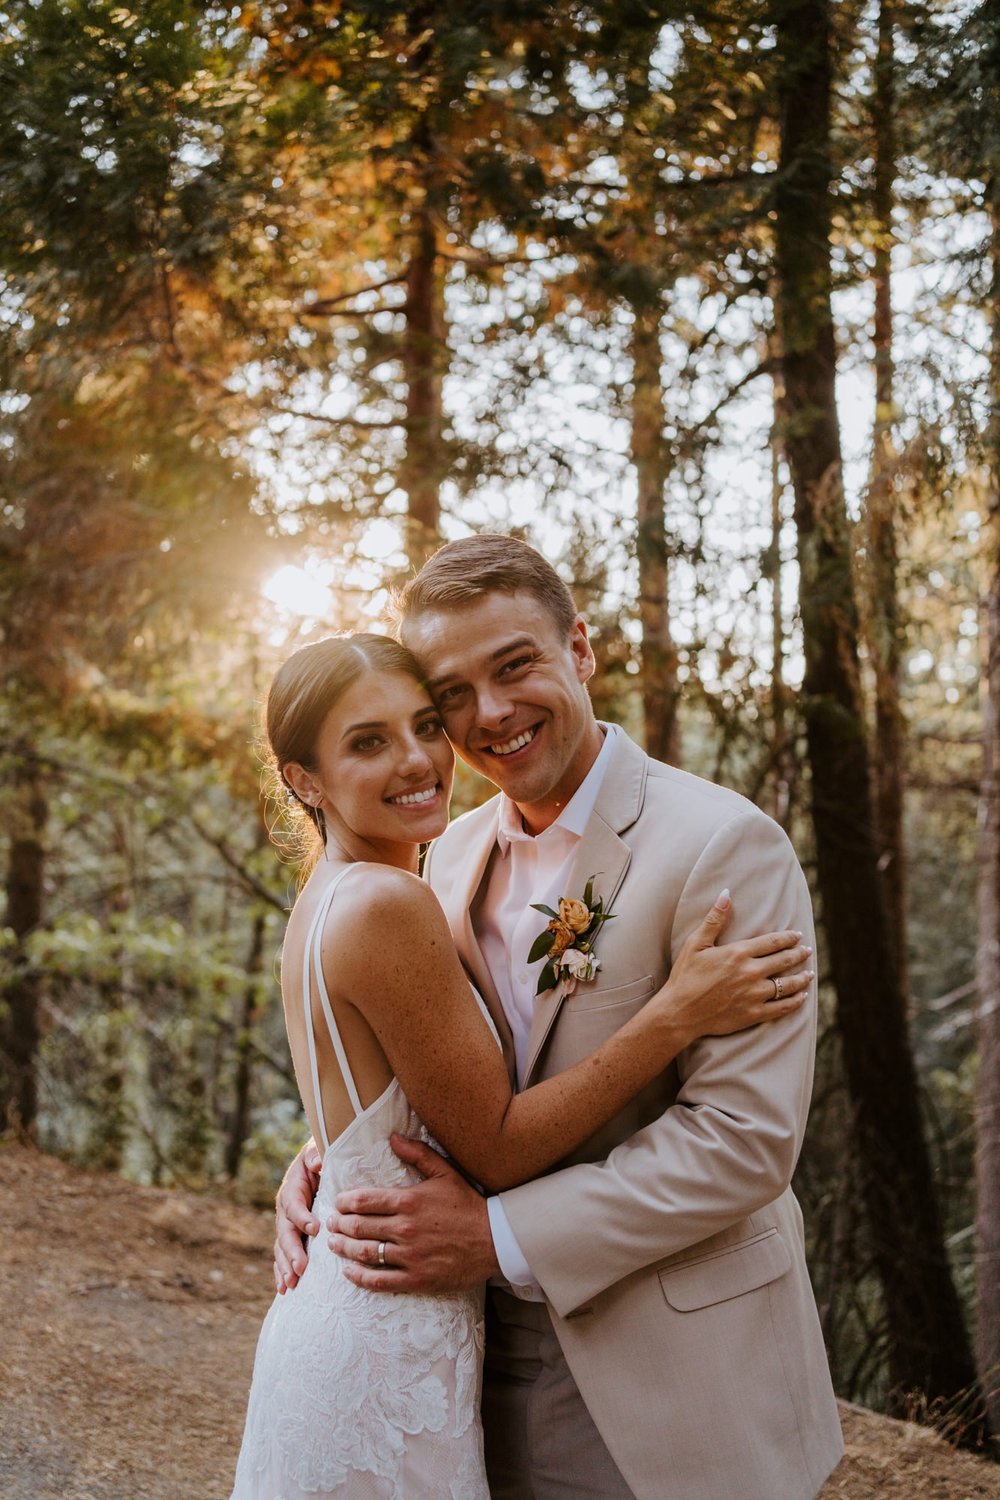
[586,998]
[728,1273]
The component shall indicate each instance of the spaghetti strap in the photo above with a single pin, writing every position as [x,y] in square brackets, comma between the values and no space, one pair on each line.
[312,961]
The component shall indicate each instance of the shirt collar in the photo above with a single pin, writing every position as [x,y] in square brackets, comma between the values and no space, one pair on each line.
[575,815]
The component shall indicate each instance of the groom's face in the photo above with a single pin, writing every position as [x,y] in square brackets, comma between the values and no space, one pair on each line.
[509,684]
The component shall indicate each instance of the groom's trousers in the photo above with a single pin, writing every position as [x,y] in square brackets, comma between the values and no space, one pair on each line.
[541,1443]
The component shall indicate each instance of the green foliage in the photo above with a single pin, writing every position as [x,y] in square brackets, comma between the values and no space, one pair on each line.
[131,190]
[161,952]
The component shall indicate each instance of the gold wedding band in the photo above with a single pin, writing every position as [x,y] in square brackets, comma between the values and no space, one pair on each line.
[777,987]
[381,1252]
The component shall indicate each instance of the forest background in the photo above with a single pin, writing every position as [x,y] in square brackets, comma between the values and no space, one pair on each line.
[703,301]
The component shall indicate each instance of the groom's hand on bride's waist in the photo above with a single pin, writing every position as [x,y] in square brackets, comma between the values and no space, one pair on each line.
[433,1237]
[295,1218]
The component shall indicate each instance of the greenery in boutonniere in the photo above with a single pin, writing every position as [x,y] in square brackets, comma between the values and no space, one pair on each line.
[568,940]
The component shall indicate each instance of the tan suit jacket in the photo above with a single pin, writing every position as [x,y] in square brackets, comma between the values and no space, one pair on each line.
[670,1246]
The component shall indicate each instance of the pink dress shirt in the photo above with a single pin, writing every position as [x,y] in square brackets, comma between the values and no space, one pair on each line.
[529,868]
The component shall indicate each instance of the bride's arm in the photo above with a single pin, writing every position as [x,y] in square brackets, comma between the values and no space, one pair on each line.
[400,969]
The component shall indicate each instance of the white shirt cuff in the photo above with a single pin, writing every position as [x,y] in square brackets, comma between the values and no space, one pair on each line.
[510,1256]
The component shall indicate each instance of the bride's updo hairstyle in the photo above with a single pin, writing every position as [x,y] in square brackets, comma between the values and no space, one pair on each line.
[302,693]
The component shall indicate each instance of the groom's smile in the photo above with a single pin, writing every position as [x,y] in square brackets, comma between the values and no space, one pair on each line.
[511,689]
[518,743]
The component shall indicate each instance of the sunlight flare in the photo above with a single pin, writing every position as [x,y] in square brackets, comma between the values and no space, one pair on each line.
[300,591]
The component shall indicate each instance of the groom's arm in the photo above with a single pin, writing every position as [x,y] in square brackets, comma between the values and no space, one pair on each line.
[436,1234]
[729,1143]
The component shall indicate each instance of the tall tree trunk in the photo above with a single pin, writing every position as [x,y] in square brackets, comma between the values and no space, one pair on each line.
[110,1122]
[649,455]
[882,604]
[782,756]
[25,893]
[239,1127]
[929,1351]
[423,467]
[988,1009]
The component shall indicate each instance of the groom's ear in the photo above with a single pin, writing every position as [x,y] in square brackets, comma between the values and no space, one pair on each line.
[583,652]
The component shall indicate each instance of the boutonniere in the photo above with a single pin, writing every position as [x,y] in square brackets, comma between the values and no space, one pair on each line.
[569,939]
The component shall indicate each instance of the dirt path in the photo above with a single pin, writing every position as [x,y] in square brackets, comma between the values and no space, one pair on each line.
[129,1318]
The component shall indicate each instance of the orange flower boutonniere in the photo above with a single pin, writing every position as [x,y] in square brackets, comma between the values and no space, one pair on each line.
[567,942]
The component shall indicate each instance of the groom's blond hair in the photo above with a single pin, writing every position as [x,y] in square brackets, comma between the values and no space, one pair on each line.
[464,571]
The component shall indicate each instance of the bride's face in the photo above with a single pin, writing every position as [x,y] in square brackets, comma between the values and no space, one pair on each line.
[383,765]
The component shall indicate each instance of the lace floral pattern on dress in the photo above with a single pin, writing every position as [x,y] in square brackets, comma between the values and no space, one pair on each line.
[365,1394]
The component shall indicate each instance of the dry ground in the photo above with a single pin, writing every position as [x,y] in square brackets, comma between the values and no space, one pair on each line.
[129,1318]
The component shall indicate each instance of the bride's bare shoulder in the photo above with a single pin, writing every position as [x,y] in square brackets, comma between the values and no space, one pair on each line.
[381,896]
[382,923]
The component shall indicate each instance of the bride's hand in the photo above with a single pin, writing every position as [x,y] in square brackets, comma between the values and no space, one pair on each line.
[714,990]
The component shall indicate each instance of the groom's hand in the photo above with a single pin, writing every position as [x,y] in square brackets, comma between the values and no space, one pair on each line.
[435,1236]
[294,1217]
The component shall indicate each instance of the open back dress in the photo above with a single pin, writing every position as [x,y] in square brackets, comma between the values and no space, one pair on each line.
[356,1394]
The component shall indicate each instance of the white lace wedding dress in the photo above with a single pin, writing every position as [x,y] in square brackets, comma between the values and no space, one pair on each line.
[355,1394]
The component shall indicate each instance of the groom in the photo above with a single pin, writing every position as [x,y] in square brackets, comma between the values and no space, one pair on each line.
[651,1330]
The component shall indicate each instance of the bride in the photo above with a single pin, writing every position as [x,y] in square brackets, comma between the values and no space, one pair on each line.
[369,1396]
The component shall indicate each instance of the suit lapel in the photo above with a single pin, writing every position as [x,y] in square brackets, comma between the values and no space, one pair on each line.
[602,854]
[459,899]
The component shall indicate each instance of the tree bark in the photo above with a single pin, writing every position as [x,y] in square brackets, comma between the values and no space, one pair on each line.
[649,456]
[930,1359]
[25,896]
[239,1126]
[882,604]
[423,466]
[988,1007]
[782,739]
